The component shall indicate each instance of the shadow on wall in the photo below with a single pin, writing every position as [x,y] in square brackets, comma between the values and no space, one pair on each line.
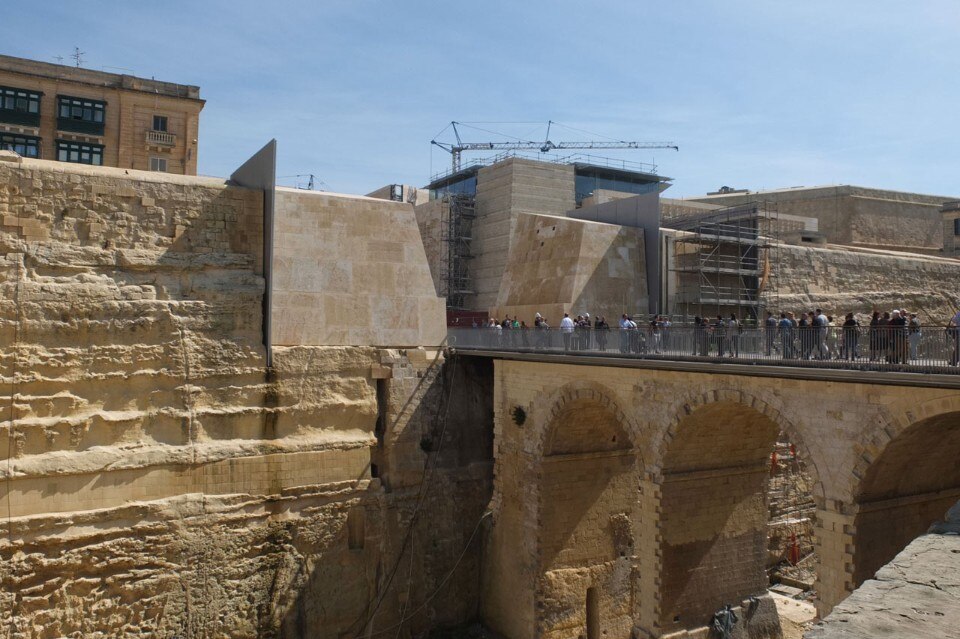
[384,576]
[907,488]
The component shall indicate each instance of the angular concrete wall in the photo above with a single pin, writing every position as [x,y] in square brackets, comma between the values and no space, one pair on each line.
[351,270]
[504,191]
[560,265]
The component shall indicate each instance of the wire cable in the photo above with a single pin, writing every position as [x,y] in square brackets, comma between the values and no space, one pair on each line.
[443,582]
[425,480]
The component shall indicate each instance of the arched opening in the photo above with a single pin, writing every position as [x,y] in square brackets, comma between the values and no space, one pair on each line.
[908,487]
[791,551]
[588,507]
[714,513]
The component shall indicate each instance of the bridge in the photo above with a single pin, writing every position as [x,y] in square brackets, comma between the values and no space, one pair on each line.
[630,487]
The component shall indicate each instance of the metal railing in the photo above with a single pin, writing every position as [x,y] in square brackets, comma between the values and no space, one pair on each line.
[931,350]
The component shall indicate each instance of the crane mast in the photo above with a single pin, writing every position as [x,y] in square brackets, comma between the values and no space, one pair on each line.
[456,149]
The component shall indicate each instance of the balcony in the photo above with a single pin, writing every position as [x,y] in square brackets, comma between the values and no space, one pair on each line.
[161,138]
[24,118]
[85,127]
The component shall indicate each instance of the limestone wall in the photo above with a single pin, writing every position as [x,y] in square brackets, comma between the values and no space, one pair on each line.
[505,190]
[559,265]
[842,280]
[429,220]
[159,480]
[858,215]
[351,270]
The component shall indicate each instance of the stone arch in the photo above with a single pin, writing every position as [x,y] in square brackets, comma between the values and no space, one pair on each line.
[552,406]
[587,512]
[906,477]
[690,404]
[712,469]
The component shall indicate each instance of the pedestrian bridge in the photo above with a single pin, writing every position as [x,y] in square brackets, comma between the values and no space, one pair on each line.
[630,487]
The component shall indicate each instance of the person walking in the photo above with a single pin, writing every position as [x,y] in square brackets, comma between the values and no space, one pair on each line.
[898,338]
[851,337]
[734,330]
[915,334]
[821,323]
[874,336]
[786,336]
[883,328]
[602,329]
[624,335]
[770,333]
[720,335]
[566,330]
[953,330]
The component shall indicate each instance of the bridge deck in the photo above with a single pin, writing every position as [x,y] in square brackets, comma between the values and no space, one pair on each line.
[675,352]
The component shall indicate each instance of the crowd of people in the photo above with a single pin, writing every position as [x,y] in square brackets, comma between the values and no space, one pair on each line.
[894,337]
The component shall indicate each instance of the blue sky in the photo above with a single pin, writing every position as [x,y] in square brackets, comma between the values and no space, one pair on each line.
[757,94]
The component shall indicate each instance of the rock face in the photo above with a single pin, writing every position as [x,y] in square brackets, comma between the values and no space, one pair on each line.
[159,479]
[844,279]
[916,595]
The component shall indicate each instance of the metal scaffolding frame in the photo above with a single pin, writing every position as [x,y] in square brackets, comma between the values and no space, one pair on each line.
[725,261]
[456,232]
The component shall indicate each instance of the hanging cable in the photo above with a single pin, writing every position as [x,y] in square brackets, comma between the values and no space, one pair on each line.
[424,486]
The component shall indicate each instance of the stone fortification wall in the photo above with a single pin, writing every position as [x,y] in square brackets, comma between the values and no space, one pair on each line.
[842,280]
[560,265]
[160,480]
[351,270]
[857,215]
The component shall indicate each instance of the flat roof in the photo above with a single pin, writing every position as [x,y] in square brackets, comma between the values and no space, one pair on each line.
[92,77]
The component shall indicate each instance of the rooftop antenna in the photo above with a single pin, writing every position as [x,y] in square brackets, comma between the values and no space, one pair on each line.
[78,55]
[58,58]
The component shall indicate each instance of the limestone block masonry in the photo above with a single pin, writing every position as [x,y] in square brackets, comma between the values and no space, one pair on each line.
[351,271]
[159,480]
[633,498]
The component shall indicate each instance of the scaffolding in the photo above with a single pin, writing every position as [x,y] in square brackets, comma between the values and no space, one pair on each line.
[456,234]
[725,261]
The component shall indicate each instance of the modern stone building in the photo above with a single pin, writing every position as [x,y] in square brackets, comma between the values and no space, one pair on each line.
[70,114]
[856,216]
[490,249]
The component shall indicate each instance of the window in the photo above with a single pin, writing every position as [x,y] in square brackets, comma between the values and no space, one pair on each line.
[25,145]
[158,164]
[80,115]
[79,152]
[956,226]
[160,123]
[20,106]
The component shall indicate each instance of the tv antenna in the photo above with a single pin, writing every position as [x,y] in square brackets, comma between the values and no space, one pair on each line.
[58,58]
[78,55]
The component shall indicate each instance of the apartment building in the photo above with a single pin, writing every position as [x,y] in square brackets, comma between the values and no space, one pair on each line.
[72,114]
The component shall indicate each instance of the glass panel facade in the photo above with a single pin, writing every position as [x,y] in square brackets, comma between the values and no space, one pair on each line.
[25,145]
[466,186]
[79,152]
[589,180]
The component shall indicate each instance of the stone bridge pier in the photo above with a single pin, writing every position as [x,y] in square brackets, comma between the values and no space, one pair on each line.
[631,501]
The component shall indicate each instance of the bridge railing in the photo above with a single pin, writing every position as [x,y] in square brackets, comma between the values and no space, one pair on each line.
[931,350]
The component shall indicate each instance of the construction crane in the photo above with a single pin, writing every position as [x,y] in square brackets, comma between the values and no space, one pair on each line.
[456,149]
